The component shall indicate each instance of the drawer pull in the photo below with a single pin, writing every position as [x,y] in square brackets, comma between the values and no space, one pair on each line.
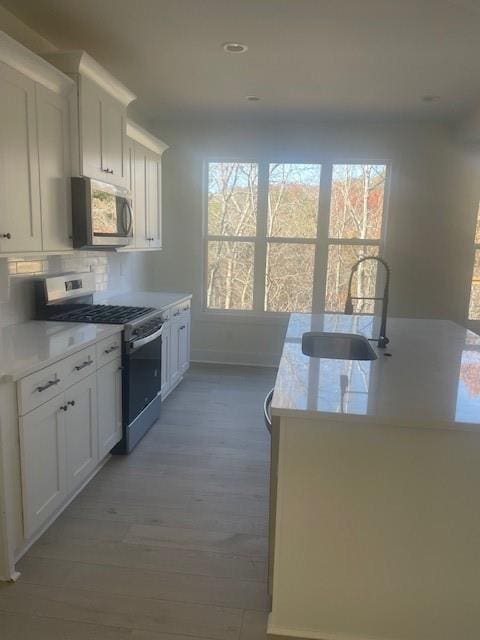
[50,383]
[182,327]
[110,349]
[186,308]
[87,363]
[63,407]
[71,403]
[177,313]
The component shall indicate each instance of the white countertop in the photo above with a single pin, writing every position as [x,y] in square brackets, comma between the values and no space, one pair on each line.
[432,378]
[30,346]
[156,299]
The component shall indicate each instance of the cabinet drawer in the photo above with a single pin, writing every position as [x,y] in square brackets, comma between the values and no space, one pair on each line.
[179,309]
[109,349]
[41,386]
[80,365]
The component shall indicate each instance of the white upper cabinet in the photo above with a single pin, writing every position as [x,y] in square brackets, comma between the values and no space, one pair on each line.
[102,135]
[55,169]
[34,152]
[140,196]
[154,201]
[20,225]
[100,124]
[147,186]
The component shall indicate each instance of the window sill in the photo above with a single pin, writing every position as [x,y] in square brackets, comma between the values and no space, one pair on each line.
[243,317]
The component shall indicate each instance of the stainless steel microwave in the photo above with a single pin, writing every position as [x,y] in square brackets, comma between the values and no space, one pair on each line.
[102,215]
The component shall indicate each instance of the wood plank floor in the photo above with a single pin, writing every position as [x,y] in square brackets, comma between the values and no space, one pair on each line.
[169,543]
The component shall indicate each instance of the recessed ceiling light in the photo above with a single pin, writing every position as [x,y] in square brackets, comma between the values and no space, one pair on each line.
[252,98]
[430,98]
[234,47]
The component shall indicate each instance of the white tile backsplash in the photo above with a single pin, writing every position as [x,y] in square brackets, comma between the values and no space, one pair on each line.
[115,272]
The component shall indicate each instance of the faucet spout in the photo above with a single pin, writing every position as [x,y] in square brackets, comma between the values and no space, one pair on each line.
[382,339]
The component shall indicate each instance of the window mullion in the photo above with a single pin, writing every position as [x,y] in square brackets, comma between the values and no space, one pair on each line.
[261,239]
[321,253]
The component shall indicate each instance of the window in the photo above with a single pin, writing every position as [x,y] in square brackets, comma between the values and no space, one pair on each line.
[474,307]
[355,230]
[292,213]
[280,234]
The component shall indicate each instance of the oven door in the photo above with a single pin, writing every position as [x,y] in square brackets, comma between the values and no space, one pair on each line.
[142,374]
[111,214]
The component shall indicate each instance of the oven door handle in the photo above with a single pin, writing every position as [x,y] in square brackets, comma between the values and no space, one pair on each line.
[136,344]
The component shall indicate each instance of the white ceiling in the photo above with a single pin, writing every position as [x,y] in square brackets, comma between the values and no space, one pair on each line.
[373,58]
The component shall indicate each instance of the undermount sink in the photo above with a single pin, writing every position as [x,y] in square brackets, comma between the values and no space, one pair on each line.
[338,346]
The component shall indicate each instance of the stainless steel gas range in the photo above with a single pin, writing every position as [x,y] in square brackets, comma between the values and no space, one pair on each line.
[69,298]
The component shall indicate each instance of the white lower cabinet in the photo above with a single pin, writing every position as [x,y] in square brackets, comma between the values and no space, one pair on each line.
[43,460]
[109,385]
[166,362]
[63,438]
[176,348]
[81,431]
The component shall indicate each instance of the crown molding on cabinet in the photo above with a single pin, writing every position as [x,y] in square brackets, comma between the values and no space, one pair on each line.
[15,55]
[79,62]
[144,137]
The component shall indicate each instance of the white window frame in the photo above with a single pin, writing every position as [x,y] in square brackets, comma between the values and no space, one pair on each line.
[473,323]
[321,241]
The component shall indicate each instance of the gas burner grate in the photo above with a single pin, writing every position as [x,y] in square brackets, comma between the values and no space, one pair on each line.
[101,314]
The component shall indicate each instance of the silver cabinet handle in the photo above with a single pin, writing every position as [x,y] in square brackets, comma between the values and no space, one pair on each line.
[50,383]
[113,348]
[7,236]
[87,363]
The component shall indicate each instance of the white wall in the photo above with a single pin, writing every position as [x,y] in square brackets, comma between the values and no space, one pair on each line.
[423,219]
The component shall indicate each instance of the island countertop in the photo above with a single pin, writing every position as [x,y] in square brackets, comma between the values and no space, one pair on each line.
[431,379]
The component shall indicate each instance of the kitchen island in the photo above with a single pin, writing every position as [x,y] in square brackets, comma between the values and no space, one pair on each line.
[375,525]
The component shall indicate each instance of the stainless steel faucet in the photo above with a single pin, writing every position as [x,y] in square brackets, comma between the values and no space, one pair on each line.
[382,339]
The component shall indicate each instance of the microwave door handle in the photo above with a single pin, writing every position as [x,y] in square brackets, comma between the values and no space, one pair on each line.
[128,229]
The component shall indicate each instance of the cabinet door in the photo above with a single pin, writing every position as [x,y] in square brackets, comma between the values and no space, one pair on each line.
[166,361]
[20,228]
[113,141]
[90,114]
[102,132]
[54,160]
[154,201]
[81,431]
[109,385]
[140,199]
[42,446]
[184,344]
[179,348]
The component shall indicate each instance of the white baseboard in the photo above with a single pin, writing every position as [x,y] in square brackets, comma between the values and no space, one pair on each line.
[309,634]
[253,359]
